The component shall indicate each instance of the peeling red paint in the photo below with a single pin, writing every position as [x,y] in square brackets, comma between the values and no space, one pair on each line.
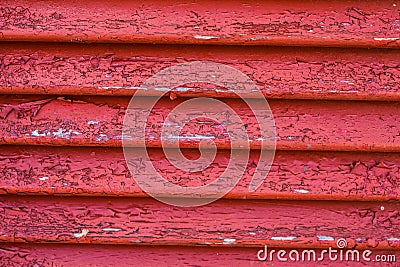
[294,175]
[147,221]
[119,70]
[306,23]
[300,125]
[94,255]
[71,196]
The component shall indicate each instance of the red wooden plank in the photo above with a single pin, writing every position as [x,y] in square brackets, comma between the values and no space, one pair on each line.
[300,73]
[117,255]
[301,224]
[301,125]
[328,23]
[294,175]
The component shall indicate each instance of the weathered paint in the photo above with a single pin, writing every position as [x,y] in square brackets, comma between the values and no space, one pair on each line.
[300,125]
[294,175]
[117,70]
[147,221]
[148,256]
[328,23]
[102,204]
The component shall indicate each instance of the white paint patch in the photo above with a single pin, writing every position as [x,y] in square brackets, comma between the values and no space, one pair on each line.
[102,137]
[36,133]
[224,90]
[81,234]
[393,239]
[283,238]
[78,235]
[205,37]
[302,191]
[62,133]
[183,89]
[386,39]
[325,238]
[111,229]
[229,241]
[92,122]
[348,82]
[163,89]
[44,178]
[382,208]
[191,137]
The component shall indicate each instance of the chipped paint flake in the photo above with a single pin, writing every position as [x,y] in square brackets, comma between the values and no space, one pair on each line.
[111,229]
[229,241]
[62,133]
[37,134]
[386,39]
[325,238]
[206,37]
[102,137]
[301,191]
[81,234]
[44,178]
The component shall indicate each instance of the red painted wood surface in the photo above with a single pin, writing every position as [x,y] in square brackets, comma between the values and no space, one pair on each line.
[326,23]
[300,224]
[99,255]
[294,175]
[300,125]
[65,188]
[119,70]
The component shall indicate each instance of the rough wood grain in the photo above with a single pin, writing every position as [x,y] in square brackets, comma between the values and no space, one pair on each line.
[301,73]
[300,125]
[302,224]
[294,175]
[328,23]
[118,255]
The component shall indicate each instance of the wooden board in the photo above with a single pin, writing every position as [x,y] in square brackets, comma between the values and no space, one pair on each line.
[255,223]
[328,23]
[294,175]
[121,70]
[100,255]
[300,125]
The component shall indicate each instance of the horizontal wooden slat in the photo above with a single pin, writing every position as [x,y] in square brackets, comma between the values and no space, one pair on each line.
[294,175]
[328,23]
[301,125]
[253,223]
[118,255]
[300,73]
